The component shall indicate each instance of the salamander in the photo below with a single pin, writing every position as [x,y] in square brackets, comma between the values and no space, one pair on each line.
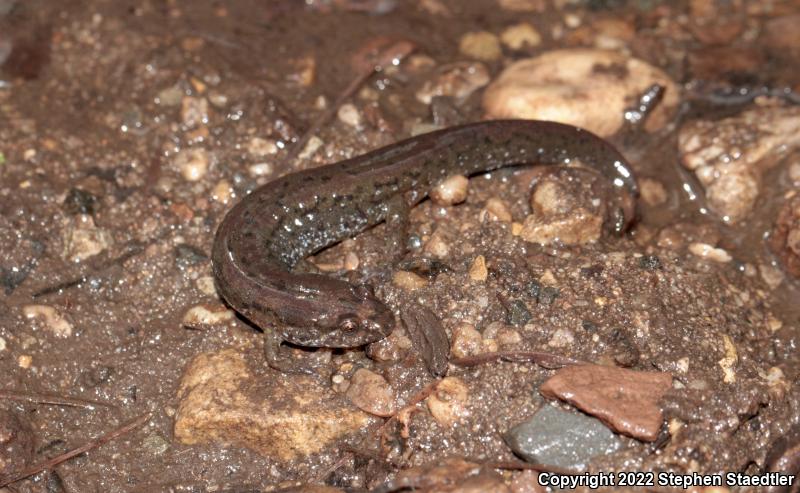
[263,237]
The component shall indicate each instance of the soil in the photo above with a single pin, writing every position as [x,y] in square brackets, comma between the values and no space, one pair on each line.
[107,221]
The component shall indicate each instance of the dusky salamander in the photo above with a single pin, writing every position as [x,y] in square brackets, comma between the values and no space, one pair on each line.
[265,235]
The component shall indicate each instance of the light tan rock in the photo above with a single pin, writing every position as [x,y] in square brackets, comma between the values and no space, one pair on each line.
[279,416]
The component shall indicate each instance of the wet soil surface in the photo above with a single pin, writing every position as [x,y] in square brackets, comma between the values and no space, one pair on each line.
[128,129]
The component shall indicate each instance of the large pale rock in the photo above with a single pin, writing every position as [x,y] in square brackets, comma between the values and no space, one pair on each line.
[588,88]
[283,417]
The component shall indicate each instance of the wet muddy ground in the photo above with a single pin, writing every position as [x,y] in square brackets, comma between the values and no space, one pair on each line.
[129,129]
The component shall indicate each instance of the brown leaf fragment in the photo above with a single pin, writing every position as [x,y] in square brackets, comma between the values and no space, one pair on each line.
[428,336]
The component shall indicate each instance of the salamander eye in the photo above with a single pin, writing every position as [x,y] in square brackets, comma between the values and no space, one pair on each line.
[348,323]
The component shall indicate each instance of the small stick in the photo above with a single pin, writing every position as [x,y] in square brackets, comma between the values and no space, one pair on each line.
[385,57]
[51,399]
[546,360]
[92,444]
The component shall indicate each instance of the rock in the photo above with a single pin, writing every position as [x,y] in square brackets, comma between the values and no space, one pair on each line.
[222,401]
[16,444]
[496,210]
[520,36]
[450,191]
[626,400]
[653,192]
[54,321]
[478,271]
[192,163]
[466,341]
[553,437]
[207,316]
[457,80]
[448,404]
[588,88]
[371,392]
[565,210]
[480,45]
[82,239]
[349,115]
[709,252]
[729,156]
[194,111]
[408,280]
[258,147]
[785,238]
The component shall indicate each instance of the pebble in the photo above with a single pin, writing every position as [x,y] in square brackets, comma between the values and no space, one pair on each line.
[785,238]
[518,313]
[729,361]
[206,316]
[205,285]
[523,5]
[283,418]
[260,169]
[3,344]
[588,88]
[563,210]
[466,341]
[259,147]
[25,361]
[194,111]
[496,210]
[480,45]
[392,348]
[437,246]
[371,393]
[448,404]
[312,146]
[557,438]
[17,443]
[82,239]
[349,115]
[520,36]
[457,80]
[171,96]
[478,270]
[729,156]
[192,163]
[450,191]
[626,400]
[408,281]
[351,261]
[709,252]
[222,192]
[652,191]
[54,321]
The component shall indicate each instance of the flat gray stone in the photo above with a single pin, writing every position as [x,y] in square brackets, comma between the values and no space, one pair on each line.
[562,439]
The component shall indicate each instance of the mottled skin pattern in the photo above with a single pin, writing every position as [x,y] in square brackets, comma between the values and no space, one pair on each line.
[266,234]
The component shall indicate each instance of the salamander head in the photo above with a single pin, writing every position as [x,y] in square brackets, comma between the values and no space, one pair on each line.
[351,316]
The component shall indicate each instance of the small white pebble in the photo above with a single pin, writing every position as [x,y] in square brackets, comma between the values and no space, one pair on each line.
[192,163]
[2,344]
[54,321]
[25,361]
[260,169]
[706,251]
[349,115]
[202,316]
[314,143]
[450,191]
[262,147]
[206,285]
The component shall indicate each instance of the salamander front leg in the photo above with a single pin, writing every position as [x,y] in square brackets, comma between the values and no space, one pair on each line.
[288,361]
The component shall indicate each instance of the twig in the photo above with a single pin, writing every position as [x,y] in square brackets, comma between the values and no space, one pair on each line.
[51,399]
[546,360]
[386,56]
[92,444]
